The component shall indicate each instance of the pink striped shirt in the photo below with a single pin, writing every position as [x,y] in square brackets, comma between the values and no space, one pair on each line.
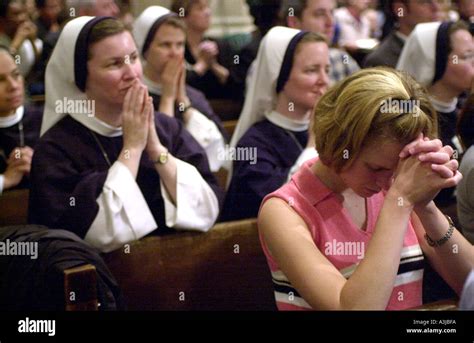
[341,241]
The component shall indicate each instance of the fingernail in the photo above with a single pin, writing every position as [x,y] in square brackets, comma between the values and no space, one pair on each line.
[411,150]
[422,157]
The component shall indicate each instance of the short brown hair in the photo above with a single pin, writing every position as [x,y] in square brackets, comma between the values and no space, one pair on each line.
[176,22]
[296,7]
[311,37]
[350,114]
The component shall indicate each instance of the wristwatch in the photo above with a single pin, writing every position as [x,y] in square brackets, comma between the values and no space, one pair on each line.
[163,158]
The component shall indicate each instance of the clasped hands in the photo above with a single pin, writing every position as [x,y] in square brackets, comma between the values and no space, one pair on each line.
[425,167]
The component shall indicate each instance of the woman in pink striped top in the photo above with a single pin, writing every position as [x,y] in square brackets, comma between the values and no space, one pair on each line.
[351,228]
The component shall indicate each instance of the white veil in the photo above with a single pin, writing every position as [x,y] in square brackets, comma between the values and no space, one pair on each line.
[60,79]
[144,23]
[261,95]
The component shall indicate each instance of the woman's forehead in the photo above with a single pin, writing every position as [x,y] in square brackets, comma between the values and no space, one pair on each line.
[462,39]
[382,152]
[118,45]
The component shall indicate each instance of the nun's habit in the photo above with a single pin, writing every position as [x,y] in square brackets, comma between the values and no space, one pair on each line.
[278,143]
[203,125]
[79,185]
[20,129]
[425,57]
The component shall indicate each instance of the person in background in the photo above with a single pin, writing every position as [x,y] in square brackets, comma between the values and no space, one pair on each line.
[208,60]
[405,15]
[466,12]
[464,191]
[49,17]
[271,139]
[19,126]
[31,9]
[78,8]
[19,34]
[126,16]
[317,16]
[440,56]
[352,23]
[376,18]
[161,36]
[73,9]
[266,16]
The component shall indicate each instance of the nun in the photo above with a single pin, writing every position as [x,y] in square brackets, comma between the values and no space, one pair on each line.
[271,138]
[19,126]
[107,167]
[440,56]
[160,36]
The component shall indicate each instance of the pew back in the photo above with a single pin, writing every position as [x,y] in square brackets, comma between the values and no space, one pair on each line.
[223,269]
[14,207]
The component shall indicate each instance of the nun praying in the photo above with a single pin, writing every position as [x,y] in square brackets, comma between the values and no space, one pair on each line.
[291,74]
[161,37]
[123,172]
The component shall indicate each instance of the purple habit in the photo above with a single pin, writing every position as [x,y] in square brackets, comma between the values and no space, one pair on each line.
[69,163]
[277,150]
[10,137]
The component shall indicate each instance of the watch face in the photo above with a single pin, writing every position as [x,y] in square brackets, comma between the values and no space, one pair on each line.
[163,157]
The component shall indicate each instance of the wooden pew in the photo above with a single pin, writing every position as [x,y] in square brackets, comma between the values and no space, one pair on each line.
[229,126]
[221,177]
[224,269]
[226,109]
[38,99]
[80,288]
[14,207]
[442,305]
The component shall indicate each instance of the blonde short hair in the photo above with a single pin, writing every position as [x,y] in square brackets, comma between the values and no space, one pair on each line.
[367,106]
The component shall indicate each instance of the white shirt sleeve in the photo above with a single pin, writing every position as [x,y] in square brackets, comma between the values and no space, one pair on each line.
[2,180]
[197,207]
[206,133]
[123,216]
[306,155]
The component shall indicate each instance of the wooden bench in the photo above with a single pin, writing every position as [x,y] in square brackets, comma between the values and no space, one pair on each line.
[221,177]
[14,207]
[223,269]
[442,305]
[229,126]
[38,99]
[80,288]
[226,109]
